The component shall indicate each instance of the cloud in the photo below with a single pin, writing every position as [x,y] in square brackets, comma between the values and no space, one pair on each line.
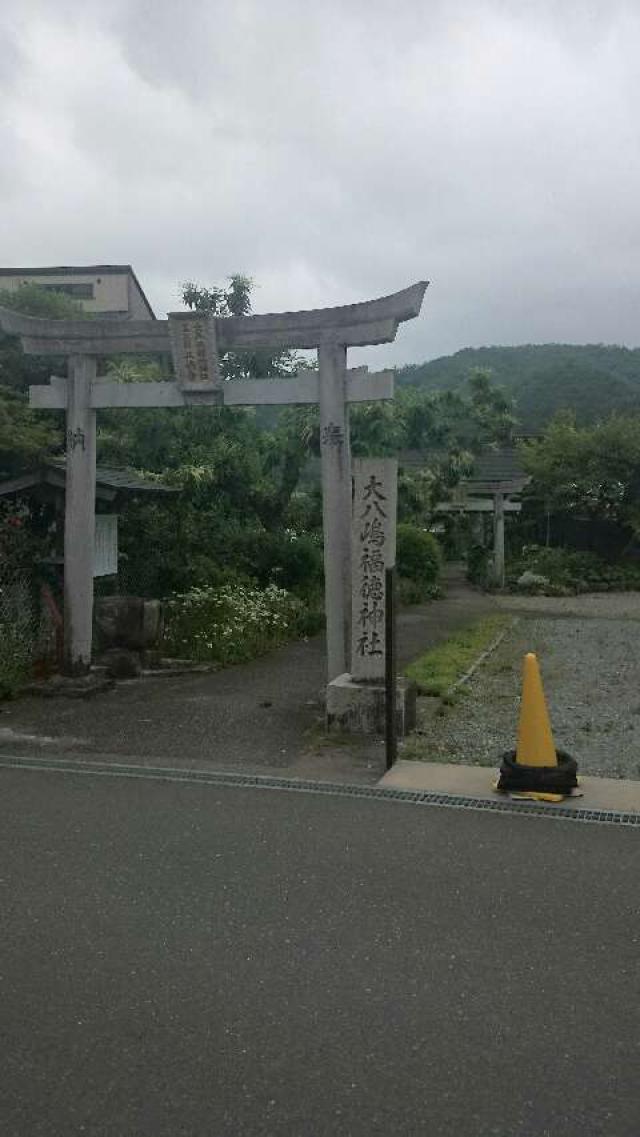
[336,152]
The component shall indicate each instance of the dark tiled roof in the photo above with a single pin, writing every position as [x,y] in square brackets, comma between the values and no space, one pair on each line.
[120,478]
[493,470]
[497,470]
[108,478]
[129,480]
[67,270]
[497,466]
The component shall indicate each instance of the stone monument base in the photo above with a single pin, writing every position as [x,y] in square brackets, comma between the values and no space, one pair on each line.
[359,708]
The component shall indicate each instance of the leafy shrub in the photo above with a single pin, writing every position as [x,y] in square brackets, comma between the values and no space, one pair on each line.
[15,658]
[478,565]
[21,544]
[568,571]
[419,561]
[234,623]
[304,512]
[410,592]
[166,547]
[291,560]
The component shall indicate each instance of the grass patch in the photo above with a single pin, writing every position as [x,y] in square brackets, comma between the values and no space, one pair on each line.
[319,738]
[437,670]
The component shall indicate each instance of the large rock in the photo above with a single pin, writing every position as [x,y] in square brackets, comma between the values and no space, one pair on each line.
[532,580]
[129,622]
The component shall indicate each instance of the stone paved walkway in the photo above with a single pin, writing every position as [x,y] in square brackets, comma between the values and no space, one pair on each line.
[263,716]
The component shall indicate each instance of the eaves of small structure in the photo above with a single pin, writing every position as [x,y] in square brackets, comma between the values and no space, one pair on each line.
[110,481]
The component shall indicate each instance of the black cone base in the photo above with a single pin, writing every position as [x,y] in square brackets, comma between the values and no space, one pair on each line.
[560,779]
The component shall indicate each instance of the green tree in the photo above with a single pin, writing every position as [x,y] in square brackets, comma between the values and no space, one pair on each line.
[236,477]
[493,411]
[590,379]
[17,369]
[592,471]
[34,300]
[26,437]
[235,300]
[445,428]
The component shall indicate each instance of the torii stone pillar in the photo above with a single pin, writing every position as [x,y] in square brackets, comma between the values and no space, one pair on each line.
[498,540]
[195,341]
[335,452]
[79,515]
[478,508]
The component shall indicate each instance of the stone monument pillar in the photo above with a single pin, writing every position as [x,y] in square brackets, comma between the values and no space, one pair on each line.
[373,537]
[356,699]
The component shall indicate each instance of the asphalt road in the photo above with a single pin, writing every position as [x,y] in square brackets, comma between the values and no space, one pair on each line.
[202,960]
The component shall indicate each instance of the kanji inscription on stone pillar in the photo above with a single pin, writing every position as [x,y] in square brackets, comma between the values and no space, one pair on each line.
[373,551]
[194,351]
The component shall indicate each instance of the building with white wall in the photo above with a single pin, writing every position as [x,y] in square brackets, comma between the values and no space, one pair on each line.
[103,290]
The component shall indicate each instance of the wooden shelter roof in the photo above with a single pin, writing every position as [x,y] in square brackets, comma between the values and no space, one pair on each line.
[110,481]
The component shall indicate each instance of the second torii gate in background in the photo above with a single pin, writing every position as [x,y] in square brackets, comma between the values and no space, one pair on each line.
[195,341]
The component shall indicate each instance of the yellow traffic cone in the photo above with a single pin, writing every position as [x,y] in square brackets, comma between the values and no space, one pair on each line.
[536,770]
[535,740]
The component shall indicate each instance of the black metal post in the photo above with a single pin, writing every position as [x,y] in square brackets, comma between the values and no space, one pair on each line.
[391,740]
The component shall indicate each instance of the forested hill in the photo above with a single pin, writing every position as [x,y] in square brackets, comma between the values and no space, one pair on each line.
[592,380]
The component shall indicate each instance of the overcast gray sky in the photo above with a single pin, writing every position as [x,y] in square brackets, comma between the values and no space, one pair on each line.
[338,150]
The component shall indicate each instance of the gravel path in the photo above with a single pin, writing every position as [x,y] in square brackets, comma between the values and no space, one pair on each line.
[589,653]
[609,605]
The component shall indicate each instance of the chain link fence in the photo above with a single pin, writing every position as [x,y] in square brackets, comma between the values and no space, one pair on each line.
[27,629]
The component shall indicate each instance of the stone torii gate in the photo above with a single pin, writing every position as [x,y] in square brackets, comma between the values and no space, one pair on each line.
[195,340]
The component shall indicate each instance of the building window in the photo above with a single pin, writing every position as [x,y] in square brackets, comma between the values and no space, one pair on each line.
[75,289]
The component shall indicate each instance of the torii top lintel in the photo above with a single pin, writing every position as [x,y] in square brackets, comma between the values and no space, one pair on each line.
[351,325]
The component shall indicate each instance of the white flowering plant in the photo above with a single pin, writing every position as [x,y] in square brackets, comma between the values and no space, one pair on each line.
[233,623]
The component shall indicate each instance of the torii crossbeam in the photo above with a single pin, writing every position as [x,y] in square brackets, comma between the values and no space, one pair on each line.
[194,340]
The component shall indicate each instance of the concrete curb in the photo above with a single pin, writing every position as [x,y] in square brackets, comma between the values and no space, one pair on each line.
[595,793]
[501,804]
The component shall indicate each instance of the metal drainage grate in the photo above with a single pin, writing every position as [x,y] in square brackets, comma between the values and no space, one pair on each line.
[331,789]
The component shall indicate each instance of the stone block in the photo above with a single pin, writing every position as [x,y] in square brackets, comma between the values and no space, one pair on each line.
[120,663]
[129,622]
[359,708]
